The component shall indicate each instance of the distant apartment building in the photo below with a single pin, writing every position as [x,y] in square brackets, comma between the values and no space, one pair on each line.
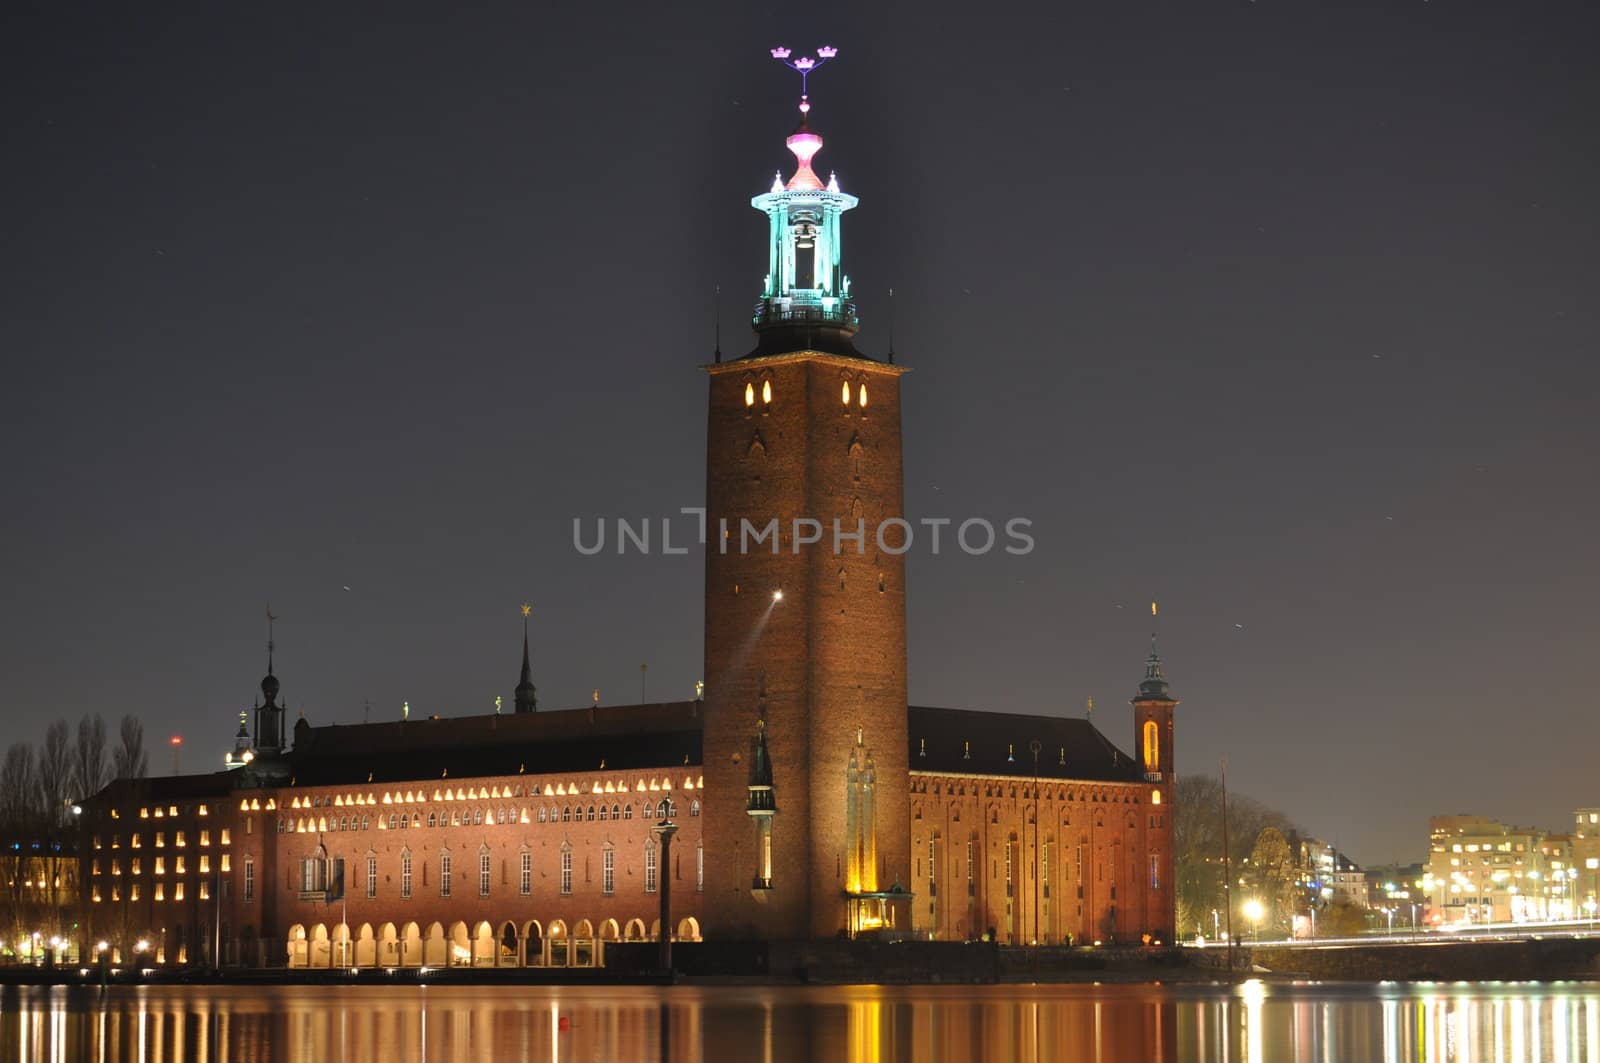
[1583,870]
[1480,870]
[1331,874]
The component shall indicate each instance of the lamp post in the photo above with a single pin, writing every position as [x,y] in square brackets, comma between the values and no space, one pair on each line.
[1038,937]
[664,832]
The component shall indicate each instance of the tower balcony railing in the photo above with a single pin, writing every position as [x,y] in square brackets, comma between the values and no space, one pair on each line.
[841,313]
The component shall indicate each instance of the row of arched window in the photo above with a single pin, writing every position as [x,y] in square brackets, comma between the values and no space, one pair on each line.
[664,809]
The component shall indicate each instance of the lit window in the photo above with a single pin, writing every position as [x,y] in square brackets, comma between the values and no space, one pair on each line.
[134,842]
[226,838]
[1155,798]
[766,391]
[749,394]
[225,866]
[444,874]
[372,877]
[177,891]
[205,865]
[844,392]
[405,876]
[161,839]
[160,892]
[650,867]
[566,870]
[177,839]
[863,396]
[526,883]
[608,872]
[483,875]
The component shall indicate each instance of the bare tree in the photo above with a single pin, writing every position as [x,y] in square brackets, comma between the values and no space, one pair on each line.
[19,815]
[55,772]
[19,788]
[89,768]
[1197,837]
[130,759]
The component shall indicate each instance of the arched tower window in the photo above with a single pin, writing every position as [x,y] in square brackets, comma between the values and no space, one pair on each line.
[1152,746]
[862,395]
[749,394]
[844,392]
[766,392]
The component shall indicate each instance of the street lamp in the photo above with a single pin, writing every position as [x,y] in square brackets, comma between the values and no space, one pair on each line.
[1253,911]
[664,832]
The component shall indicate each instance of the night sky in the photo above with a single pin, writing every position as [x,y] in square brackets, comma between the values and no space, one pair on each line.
[1280,313]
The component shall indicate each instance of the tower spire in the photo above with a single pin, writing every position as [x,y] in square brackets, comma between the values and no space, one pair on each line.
[1154,685]
[270,619]
[805,301]
[526,696]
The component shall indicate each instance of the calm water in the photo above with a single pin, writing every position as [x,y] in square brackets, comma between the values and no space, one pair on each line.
[1248,1023]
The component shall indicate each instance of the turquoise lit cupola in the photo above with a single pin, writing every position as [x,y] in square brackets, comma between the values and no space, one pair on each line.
[805,301]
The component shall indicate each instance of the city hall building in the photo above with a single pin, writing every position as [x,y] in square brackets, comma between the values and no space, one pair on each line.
[802,797]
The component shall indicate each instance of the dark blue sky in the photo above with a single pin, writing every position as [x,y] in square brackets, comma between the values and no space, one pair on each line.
[1281,313]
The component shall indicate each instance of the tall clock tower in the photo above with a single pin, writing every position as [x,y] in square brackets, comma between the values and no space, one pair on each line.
[805,636]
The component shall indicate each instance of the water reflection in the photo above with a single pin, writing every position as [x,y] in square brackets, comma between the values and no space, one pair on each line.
[1250,1023]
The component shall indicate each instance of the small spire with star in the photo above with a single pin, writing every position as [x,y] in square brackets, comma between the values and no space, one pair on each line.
[526,696]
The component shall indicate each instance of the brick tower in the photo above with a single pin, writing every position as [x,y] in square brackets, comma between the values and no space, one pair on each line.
[1152,738]
[805,640]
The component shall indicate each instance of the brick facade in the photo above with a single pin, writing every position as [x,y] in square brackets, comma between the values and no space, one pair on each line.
[828,659]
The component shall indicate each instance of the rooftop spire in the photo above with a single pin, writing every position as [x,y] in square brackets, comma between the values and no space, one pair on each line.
[1155,684]
[805,299]
[526,698]
[803,142]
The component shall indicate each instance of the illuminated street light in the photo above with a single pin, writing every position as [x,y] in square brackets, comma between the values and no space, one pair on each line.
[1253,911]
[777,596]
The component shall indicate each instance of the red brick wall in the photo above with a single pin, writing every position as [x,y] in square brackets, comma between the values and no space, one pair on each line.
[1118,827]
[504,843]
[833,656]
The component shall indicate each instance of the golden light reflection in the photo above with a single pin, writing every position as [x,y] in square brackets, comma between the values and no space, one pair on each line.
[861,1024]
